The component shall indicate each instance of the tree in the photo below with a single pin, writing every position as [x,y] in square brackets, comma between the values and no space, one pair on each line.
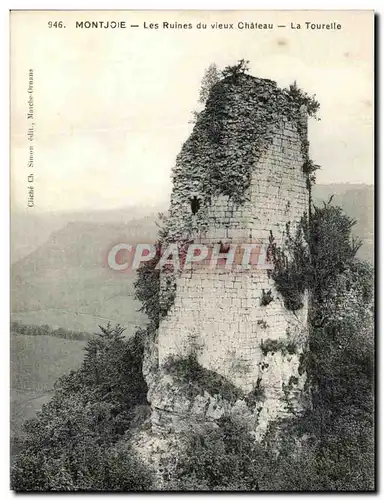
[332,247]
[236,70]
[210,78]
[147,288]
[77,440]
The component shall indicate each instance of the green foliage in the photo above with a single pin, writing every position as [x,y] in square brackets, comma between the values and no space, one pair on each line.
[309,167]
[88,467]
[113,368]
[337,434]
[210,78]
[147,288]
[155,303]
[197,379]
[274,345]
[321,249]
[303,99]
[266,297]
[306,463]
[333,249]
[233,72]
[256,396]
[227,458]
[220,458]
[311,107]
[76,442]
[292,268]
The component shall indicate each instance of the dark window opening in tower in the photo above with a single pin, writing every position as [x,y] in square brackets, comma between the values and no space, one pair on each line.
[195,205]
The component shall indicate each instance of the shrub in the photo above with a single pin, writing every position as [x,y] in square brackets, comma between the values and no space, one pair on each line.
[198,379]
[292,271]
[220,458]
[89,467]
[266,298]
[256,396]
[274,345]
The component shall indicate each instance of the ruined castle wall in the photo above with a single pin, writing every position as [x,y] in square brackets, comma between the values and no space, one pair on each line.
[278,194]
[217,312]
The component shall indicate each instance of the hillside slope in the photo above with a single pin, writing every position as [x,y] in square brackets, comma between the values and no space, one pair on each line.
[67,283]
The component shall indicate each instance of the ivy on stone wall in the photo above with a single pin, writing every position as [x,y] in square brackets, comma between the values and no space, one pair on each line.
[147,288]
[229,137]
[292,269]
[233,131]
[197,379]
[273,345]
[257,395]
[155,296]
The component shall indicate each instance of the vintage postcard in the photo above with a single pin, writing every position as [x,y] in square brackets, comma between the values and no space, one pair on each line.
[192,251]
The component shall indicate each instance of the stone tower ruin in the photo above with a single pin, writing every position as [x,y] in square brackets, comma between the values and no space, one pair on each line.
[239,178]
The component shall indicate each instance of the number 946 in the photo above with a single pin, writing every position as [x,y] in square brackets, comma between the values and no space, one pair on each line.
[55,24]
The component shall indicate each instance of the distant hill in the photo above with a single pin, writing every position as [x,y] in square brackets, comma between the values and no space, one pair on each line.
[32,229]
[66,282]
[85,244]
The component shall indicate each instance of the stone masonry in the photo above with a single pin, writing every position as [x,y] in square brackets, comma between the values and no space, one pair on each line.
[218,314]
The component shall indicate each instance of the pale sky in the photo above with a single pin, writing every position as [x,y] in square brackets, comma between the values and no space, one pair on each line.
[112,106]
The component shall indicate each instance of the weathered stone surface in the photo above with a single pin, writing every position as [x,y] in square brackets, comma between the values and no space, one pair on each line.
[217,313]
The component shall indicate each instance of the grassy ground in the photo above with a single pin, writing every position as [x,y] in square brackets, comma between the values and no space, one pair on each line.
[75,299]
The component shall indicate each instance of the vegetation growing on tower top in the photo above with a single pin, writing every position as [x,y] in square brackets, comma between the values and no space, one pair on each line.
[234,130]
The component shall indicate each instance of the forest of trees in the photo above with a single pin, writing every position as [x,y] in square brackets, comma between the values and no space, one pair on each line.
[81,439]
[61,333]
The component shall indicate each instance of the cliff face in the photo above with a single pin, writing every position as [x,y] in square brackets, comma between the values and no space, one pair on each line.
[228,344]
